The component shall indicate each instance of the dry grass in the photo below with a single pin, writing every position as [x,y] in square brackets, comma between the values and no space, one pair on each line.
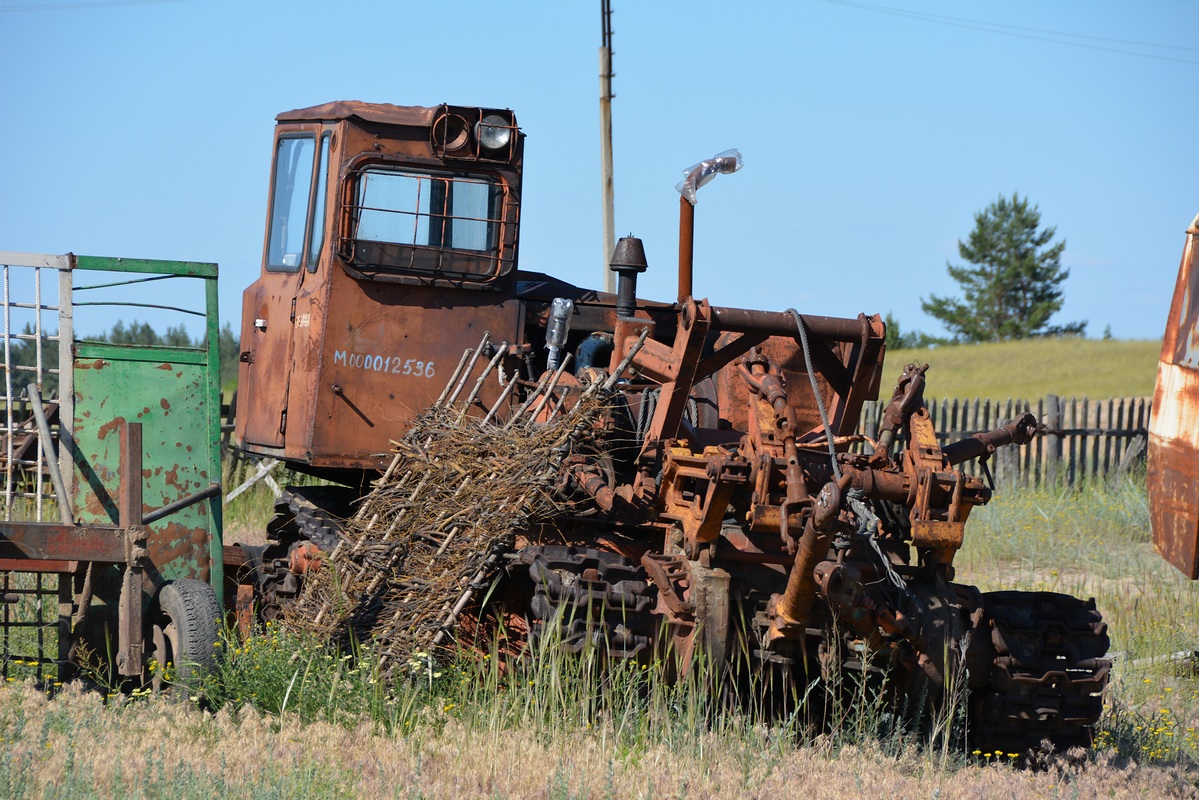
[1067,367]
[75,746]
[480,733]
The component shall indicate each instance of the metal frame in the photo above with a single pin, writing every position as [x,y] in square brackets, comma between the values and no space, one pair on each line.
[35,262]
[67,548]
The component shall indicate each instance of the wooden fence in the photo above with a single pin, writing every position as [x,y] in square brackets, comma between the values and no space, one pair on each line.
[1083,439]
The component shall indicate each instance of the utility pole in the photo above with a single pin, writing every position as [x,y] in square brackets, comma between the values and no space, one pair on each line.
[605,59]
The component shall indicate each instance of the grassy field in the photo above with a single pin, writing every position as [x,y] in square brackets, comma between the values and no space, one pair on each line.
[1067,367]
[289,717]
[285,716]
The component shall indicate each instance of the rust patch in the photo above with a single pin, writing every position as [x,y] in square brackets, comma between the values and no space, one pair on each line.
[109,427]
[164,366]
[165,405]
[186,547]
[1174,503]
[94,507]
[1175,416]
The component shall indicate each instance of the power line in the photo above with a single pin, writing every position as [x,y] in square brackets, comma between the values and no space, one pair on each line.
[1012,30]
[78,6]
[1077,35]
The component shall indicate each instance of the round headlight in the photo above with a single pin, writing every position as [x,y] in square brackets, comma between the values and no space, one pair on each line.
[451,133]
[494,132]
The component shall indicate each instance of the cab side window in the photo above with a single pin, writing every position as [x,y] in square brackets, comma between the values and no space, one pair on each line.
[317,239]
[290,202]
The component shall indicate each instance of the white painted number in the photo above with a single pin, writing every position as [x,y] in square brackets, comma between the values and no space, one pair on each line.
[392,365]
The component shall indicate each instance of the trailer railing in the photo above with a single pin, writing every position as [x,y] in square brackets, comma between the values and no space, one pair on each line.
[76,466]
[35,321]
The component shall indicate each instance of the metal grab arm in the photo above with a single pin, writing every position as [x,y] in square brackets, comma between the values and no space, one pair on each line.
[1018,431]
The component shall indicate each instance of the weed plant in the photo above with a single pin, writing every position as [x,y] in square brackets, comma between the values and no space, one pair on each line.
[630,707]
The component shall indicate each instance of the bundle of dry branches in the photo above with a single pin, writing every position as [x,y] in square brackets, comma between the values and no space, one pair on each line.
[430,535]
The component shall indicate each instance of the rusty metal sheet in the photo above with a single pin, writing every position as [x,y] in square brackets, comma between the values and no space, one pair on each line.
[359,376]
[1173,474]
[1180,345]
[371,112]
[1174,504]
[936,534]
[166,391]
[1173,447]
[266,341]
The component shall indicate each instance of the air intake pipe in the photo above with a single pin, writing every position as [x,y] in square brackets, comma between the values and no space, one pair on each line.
[628,261]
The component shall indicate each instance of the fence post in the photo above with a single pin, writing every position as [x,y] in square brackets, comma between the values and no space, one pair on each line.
[1053,437]
[870,419]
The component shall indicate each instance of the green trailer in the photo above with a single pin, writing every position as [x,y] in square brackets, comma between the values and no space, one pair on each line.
[110,544]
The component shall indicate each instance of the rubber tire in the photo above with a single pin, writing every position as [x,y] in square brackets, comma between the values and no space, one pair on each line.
[191,607]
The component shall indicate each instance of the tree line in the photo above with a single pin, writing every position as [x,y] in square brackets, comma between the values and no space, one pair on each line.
[23,351]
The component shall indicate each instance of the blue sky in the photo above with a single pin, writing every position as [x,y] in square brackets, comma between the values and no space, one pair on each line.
[870,138]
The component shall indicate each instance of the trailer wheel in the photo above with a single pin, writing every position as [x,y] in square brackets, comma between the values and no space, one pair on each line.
[184,630]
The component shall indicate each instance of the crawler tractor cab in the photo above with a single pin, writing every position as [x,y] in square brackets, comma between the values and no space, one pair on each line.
[390,247]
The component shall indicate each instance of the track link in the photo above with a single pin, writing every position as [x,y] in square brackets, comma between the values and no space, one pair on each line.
[314,513]
[587,598]
[1048,674]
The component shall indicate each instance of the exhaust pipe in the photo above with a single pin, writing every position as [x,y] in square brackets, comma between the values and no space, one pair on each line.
[696,176]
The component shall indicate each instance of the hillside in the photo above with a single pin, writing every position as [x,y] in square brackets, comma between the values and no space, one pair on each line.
[1067,367]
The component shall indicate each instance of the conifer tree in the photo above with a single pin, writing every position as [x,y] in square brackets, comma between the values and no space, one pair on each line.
[1012,284]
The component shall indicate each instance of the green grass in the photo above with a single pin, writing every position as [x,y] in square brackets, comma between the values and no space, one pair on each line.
[1067,367]
[1092,541]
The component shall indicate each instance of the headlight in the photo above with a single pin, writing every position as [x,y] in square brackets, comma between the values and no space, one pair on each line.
[450,134]
[494,132]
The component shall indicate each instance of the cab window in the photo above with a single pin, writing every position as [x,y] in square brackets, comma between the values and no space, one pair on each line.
[318,206]
[458,212]
[438,224]
[290,202]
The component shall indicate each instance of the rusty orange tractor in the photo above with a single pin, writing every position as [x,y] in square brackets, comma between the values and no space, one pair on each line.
[725,510]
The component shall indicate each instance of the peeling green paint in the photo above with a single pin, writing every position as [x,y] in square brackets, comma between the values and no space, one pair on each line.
[174,394]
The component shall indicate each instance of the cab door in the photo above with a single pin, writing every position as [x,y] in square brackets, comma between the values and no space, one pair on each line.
[268,305]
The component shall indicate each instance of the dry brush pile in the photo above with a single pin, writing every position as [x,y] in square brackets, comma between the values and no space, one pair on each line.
[431,534]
